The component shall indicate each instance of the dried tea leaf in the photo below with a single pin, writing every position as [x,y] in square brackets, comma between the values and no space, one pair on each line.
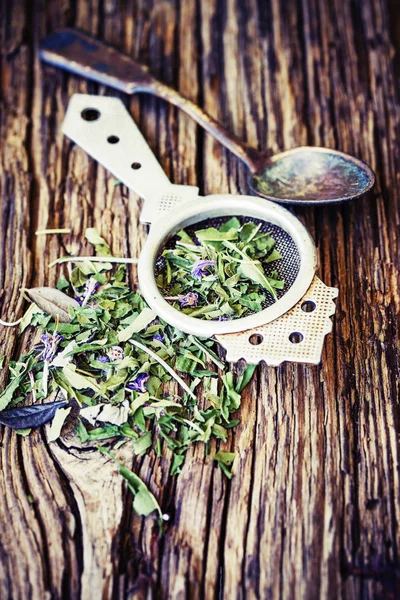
[78,381]
[58,423]
[90,413]
[245,378]
[253,272]
[141,322]
[225,461]
[63,358]
[144,503]
[53,302]
[7,394]
[30,416]
[101,246]
[141,445]
[116,415]
[27,317]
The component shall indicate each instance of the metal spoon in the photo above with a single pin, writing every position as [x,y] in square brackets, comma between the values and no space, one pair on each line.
[304,175]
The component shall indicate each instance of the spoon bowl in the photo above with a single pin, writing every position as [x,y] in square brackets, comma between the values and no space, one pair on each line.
[311,175]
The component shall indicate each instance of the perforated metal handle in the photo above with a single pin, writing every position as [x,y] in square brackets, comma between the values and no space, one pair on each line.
[296,336]
[103,127]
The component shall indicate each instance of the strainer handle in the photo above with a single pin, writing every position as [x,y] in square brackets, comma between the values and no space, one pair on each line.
[105,130]
[103,127]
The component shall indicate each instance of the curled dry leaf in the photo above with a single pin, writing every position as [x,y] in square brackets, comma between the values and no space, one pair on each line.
[53,302]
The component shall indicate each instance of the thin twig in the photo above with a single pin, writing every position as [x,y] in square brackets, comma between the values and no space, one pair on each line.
[14,324]
[51,231]
[165,365]
[103,259]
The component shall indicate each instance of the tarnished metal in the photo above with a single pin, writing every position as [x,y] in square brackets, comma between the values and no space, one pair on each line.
[309,175]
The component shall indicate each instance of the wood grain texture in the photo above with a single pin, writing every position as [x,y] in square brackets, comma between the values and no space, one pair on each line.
[313,510]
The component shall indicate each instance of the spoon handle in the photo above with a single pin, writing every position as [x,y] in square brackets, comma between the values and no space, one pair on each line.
[250,156]
[79,53]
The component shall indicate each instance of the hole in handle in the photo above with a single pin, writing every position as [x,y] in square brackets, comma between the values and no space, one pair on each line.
[113,139]
[308,306]
[296,337]
[90,114]
[256,339]
[136,165]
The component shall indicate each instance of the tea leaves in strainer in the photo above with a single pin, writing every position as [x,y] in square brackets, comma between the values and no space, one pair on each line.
[226,268]
[273,334]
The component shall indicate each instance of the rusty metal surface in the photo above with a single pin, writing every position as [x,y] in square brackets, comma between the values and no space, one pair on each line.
[74,51]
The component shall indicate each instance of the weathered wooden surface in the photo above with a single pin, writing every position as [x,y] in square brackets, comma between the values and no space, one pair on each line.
[313,510]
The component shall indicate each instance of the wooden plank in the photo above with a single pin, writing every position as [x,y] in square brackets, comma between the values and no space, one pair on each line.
[313,510]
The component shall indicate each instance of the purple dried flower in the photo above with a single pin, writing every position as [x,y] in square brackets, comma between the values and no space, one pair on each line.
[191,299]
[138,384]
[50,343]
[103,358]
[199,267]
[159,337]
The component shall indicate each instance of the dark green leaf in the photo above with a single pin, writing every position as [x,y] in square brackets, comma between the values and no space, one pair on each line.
[30,416]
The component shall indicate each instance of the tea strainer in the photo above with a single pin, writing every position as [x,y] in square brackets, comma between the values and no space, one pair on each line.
[291,328]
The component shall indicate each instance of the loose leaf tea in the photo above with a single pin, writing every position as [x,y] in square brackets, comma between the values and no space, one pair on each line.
[133,378]
[220,272]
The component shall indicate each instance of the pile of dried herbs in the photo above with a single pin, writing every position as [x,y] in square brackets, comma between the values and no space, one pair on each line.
[219,272]
[130,377]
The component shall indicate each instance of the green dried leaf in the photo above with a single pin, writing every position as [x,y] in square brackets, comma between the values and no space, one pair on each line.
[27,318]
[7,395]
[144,503]
[245,378]
[78,381]
[214,235]
[254,273]
[101,246]
[177,462]
[143,443]
[225,461]
[141,322]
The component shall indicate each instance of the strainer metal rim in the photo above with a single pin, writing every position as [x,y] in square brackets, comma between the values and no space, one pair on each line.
[217,206]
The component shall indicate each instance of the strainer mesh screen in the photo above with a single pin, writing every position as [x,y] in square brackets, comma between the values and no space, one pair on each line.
[287,268]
